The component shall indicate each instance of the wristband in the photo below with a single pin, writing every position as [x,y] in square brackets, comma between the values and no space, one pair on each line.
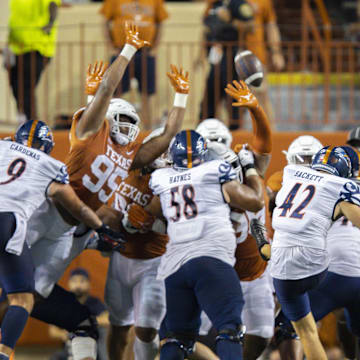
[128,51]
[180,100]
[250,172]
[89,98]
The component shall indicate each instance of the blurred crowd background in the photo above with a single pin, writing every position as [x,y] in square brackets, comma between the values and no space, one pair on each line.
[309,49]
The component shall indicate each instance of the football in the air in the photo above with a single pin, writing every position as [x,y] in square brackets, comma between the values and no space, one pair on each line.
[249,68]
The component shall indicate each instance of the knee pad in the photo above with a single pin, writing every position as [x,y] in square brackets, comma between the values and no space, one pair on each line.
[233,335]
[184,343]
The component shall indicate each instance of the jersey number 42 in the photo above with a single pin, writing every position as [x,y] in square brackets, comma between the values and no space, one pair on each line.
[290,200]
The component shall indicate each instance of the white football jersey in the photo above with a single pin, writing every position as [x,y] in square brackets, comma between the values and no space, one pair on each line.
[302,218]
[343,242]
[25,174]
[197,214]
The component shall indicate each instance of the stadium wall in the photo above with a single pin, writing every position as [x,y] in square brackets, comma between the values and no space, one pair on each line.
[37,333]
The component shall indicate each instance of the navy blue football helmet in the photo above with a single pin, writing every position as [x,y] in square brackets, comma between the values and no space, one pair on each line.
[354,159]
[35,134]
[187,149]
[334,160]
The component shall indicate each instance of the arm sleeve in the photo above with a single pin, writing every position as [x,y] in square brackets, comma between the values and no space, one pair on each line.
[62,176]
[226,172]
[350,192]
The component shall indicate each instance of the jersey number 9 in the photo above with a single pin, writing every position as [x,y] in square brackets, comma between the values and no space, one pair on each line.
[15,170]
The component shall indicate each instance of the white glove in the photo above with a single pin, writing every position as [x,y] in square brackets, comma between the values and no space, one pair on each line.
[247,161]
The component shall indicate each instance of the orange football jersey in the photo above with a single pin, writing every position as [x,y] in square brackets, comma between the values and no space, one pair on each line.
[274,182]
[97,165]
[135,189]
[249,264]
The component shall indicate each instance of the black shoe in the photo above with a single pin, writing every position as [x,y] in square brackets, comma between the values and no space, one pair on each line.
[89,329]
[258,232]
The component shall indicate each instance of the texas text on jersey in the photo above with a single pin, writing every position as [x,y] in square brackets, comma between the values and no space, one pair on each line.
[135,189]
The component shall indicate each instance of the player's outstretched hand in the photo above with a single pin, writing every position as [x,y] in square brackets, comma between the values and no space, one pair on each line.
[242,94]
[179,80]
[94,77]
[109,240]
[132,36]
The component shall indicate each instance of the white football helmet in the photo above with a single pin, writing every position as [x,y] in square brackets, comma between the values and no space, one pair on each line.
[302,150]
[162,160]
[215,130]
[219,141]
[117,108]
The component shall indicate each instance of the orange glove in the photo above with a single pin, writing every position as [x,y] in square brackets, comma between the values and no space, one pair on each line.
[139,218]
[179,80]
[132,36]
[242,94]
[94,77]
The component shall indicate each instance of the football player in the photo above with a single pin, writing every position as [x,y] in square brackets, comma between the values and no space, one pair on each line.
[103,150]
[255,282]
[341,285]
[29,177]
[306,205]
[133,295]
[301,152]
[194,197]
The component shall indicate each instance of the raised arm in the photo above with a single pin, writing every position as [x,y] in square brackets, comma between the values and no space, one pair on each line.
[151,150]
[93,117]
[261,142]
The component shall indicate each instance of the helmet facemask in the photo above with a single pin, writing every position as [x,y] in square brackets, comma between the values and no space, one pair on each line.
[123,129]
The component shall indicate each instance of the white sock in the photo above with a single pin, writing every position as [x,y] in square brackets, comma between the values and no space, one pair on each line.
[146,350]
[83,347]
